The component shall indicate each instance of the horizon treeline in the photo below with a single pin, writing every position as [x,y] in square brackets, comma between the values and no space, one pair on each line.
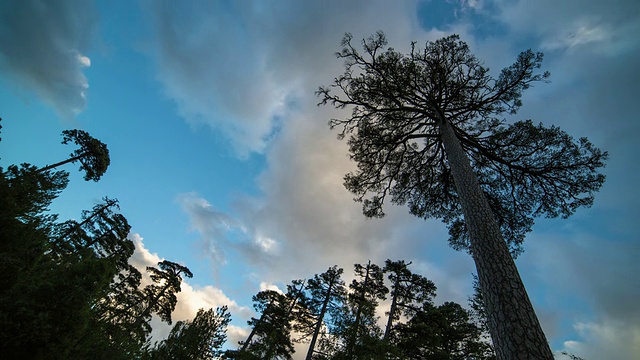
[343,321]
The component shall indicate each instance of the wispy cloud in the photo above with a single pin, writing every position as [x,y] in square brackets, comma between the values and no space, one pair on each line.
[221,233]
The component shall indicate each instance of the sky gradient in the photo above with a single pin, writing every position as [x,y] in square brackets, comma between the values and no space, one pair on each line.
[223,162]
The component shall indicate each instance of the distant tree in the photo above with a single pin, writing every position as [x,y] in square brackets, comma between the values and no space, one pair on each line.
[326,293]
[93,155]
[409,293]
[199,339]
[160,296]
[357,324]
[270,336]
[426,130]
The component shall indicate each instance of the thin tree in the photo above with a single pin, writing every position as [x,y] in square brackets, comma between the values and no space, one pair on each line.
[426,130]
[409,292]
[93,155]
[326,290]
[366,290]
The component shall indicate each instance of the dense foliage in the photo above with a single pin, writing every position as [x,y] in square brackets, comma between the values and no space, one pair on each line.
[68,290]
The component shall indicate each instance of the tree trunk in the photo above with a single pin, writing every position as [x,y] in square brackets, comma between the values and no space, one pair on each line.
[325,303]
[354,334]
[392,310]
[250,337]
[514,327]
[72,159]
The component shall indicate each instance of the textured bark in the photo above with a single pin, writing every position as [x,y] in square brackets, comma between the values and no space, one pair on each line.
[514,327]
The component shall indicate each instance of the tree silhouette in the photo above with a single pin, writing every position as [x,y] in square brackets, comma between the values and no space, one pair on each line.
[327,291]
[93,155]
[426,131]
[68,290]
[366,290]
[270,336]
[442,332]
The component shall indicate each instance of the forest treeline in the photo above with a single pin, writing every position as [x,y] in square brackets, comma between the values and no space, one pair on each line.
[70,291]
[336,320]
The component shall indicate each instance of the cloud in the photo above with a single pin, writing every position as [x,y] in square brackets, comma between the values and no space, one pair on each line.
[212,225]
[603,27]
[42,46]
[222,233]
[241,67]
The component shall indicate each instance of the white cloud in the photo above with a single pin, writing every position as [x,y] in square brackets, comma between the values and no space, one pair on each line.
[266,286]
[83,60]
[267,245]
[41,46]
[142,257]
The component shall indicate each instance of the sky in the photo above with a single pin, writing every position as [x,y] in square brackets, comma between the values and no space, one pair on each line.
[222,160]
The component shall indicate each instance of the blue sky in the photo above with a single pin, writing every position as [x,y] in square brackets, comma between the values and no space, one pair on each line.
[222,161]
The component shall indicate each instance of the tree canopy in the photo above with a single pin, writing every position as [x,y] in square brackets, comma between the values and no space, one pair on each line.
[526,170]
[339,322]
[93,154]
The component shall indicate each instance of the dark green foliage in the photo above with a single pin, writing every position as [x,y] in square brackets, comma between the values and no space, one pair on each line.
[397,102]
[326,295]
[356,323]
[270,336]
[409,293]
